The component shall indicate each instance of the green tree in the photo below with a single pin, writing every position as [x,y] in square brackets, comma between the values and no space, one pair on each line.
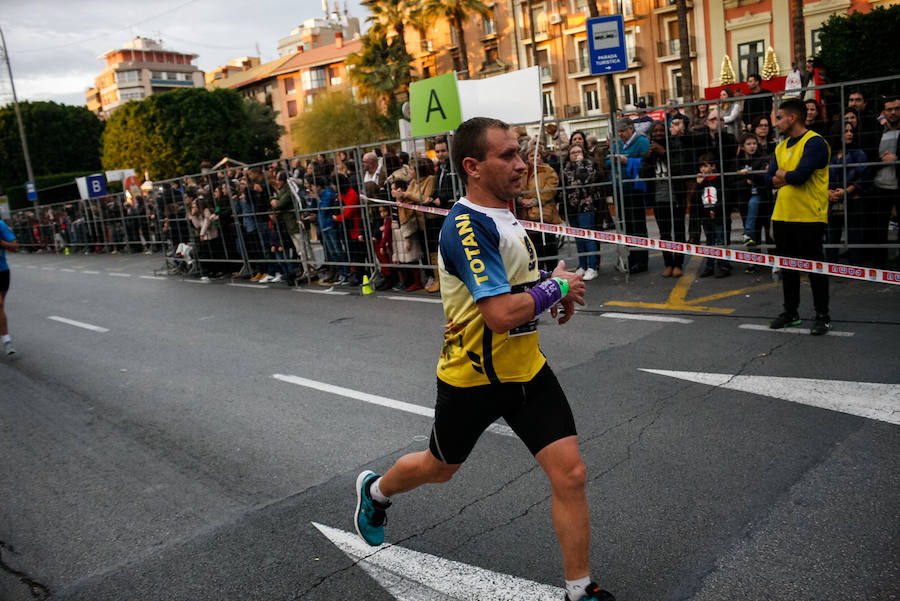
[61,138]
[852,45]
[457,12]
[171,134]
[392,16]
[335,120]
[381,70]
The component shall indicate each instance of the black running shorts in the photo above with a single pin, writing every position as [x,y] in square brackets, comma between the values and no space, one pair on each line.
[537,411]
[4,281]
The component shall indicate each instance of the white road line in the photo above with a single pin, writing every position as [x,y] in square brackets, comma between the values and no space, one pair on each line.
[49,268]
[153,277]
[67,270]
[120,275]
[31,266]
[89,271]
[872,400]
[765,328]
[196,281]
[416,299]
[257,286]
[641,317]
[331,291]
[78,324]
[377,400]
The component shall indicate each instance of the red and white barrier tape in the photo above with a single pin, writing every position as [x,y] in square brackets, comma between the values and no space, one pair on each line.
[868,274]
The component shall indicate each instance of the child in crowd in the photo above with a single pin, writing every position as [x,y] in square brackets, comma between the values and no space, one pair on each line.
[708,196]
[272,238]
[751,167]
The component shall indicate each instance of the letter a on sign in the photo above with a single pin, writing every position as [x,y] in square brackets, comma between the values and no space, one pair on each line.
[434,105]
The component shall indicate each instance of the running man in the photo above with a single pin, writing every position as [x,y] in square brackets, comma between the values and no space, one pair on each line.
[7,241]
[491,365]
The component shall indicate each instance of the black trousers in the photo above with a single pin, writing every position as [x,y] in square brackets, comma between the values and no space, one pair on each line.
[635,217]
[801,241]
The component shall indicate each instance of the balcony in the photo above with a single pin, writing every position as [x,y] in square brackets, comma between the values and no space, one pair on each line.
[668,6]
[578,67]
[667,50]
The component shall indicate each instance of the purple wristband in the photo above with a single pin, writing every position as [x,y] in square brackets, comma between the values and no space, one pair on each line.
[545,295]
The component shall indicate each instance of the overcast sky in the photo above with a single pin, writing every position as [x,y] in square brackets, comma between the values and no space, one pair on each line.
[53,45]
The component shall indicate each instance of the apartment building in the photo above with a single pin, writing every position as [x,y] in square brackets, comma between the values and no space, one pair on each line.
[290,84]
[317,32]
[137,70]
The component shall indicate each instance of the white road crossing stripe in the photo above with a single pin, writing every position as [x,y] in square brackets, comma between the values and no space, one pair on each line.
[49,268]
[864,399]
[89,271]
[765,328]
[120,275]
[67,270]
[78,324]
[326,291]
[377,400]
[641,317]
[257,286]
[415,576]
[31,267]
[196,281]
[415,299]
[153,277]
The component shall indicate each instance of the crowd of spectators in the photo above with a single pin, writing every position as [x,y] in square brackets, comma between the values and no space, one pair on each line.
[696,175]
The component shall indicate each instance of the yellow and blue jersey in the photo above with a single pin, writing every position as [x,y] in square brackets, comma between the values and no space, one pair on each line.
[484,252]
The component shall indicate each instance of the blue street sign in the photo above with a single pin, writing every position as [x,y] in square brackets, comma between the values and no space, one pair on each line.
[96,185]
[31,191]
[606,39]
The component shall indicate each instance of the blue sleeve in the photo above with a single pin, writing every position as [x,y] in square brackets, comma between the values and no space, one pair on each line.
[815,156]
[6,234]
[473,254]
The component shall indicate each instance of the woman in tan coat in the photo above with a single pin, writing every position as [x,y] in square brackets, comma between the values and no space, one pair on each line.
[527,205]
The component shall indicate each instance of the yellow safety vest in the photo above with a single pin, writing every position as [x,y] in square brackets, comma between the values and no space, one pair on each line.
[807,202]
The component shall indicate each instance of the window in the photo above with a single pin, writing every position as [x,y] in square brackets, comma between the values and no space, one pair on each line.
[126,76]
[625,8]
[584,60]
[677,87]
[549,109]
[629,90]
[491,55]
[133,94]
[750,58]
[292,108]
[289,87]
[490,25]
[314,78]
[630,46]
[591,95]
[816,42]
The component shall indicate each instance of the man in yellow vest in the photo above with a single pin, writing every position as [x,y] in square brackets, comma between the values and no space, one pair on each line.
[799,173]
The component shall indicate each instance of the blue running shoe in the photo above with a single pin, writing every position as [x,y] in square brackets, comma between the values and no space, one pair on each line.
[594,593]
[370,514]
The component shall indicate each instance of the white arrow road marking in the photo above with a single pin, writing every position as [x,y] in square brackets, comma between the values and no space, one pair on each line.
[415,576]
[377,400]
[79,324]
[864,399]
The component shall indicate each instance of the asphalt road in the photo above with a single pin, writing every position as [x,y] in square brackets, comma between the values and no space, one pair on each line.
[157,456]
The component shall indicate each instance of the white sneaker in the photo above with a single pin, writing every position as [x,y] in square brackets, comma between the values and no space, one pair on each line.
[265,279]
[277,278]
[9,348]
[579,271]
[590,274]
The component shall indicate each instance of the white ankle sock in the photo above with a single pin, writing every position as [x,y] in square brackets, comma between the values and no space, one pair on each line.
[375,492]
[575,589]
[5,338]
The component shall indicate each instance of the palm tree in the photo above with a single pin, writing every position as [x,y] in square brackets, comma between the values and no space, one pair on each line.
[380,69]
[391,16]
[799,30]
[457,12]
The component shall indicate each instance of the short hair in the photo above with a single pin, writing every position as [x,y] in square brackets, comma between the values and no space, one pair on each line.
[747,136]
[857,91]
[441,140]
[469,141]
[794,106]
[624,123]
[889,98]
[706,158]
[370,156]
[754,76]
